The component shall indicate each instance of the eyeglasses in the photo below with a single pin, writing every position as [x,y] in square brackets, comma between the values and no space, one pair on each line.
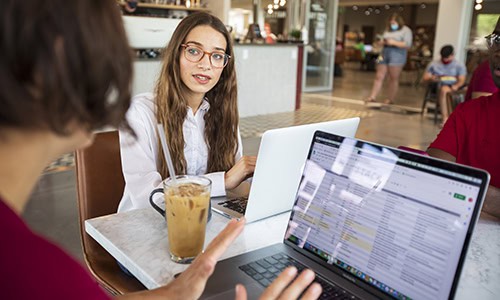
[218,59]
[493,40]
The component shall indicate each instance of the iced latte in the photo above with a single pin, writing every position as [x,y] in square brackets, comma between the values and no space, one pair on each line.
[186,205]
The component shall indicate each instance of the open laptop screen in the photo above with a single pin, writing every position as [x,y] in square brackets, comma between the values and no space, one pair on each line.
[393,221]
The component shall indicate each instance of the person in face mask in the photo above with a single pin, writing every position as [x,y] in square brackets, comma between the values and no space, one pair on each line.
[447,74]
[397,39]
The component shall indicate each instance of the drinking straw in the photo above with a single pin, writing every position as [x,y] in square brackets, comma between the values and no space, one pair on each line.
[166,152]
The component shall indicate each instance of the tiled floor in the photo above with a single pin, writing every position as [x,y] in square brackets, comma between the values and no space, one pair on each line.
[52,209]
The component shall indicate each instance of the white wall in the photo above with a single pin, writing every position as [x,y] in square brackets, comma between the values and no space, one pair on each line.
[267,78]
[220,8]
[453,26]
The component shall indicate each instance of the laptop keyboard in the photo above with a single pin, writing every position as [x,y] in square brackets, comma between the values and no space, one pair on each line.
[237,204]
[267,269]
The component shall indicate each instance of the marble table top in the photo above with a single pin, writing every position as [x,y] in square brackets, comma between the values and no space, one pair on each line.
[138,239]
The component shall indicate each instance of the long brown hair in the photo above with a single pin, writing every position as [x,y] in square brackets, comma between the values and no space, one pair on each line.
[221,120]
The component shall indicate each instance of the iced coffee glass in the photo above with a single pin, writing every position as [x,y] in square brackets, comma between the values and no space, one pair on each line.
[186,205]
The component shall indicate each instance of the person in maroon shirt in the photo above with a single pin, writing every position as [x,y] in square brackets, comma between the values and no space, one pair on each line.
[471,134]
[481,82]
[65,71]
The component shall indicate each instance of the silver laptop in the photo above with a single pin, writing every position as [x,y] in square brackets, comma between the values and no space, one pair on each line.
[281,156]
[373,222]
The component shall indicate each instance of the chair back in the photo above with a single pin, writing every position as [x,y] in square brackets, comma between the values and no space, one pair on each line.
[100,187]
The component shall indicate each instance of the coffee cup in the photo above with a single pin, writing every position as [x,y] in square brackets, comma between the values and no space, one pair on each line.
[187,206]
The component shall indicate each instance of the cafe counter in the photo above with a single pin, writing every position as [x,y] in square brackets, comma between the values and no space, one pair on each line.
[268,77]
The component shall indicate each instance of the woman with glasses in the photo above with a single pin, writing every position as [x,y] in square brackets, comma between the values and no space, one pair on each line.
[195,99]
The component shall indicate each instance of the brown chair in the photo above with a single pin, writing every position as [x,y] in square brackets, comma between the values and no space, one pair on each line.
[100,186]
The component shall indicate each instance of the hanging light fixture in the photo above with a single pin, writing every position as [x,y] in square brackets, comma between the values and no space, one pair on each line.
[478,5]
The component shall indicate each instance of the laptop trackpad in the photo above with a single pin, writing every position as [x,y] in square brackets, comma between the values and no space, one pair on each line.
[253,292]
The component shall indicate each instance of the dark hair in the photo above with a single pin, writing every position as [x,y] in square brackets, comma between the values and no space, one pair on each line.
[63,62]
[221,120]
[446,51]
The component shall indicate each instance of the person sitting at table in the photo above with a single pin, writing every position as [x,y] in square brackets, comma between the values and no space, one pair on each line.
[481,82]
[58,86]
[470,135]
[196,101]
[448,74]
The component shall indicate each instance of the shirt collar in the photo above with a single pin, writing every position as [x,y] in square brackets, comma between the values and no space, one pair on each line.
[205,106]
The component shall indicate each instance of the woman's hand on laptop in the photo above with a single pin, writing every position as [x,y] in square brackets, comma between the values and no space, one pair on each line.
[282,289]
[242,170]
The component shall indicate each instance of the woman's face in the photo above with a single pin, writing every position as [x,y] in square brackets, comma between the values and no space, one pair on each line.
[394,24]
[200,77]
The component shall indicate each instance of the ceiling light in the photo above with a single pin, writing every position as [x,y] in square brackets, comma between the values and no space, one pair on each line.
[479,1]
[478,6]
[387,6]
[354,7]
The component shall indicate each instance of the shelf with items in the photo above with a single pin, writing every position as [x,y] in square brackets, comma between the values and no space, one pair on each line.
[189,6]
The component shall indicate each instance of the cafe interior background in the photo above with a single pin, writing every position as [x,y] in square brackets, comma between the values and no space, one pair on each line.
[295,73]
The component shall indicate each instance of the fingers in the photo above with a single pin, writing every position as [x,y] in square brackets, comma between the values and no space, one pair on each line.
[241,292]
[240,171]
[299,285]
[280,283]
[282,289]
[222,241]
[313,292]
[248,163]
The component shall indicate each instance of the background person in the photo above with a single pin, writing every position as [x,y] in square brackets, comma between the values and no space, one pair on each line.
[196,101]
[397,39]
[470,136]
[448,74]
[53,97]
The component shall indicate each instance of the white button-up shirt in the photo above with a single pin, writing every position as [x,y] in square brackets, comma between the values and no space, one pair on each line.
[140,156]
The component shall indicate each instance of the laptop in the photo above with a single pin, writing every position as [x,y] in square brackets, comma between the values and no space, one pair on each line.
[281,156]
[373,222]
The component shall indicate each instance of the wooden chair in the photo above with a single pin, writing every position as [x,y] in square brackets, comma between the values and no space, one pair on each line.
[100,186]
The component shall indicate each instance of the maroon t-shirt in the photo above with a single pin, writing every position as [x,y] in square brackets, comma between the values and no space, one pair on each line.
[471,135]
[33,268]
[481,81]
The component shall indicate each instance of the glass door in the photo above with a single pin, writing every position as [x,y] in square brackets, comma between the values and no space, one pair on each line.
[320,27]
